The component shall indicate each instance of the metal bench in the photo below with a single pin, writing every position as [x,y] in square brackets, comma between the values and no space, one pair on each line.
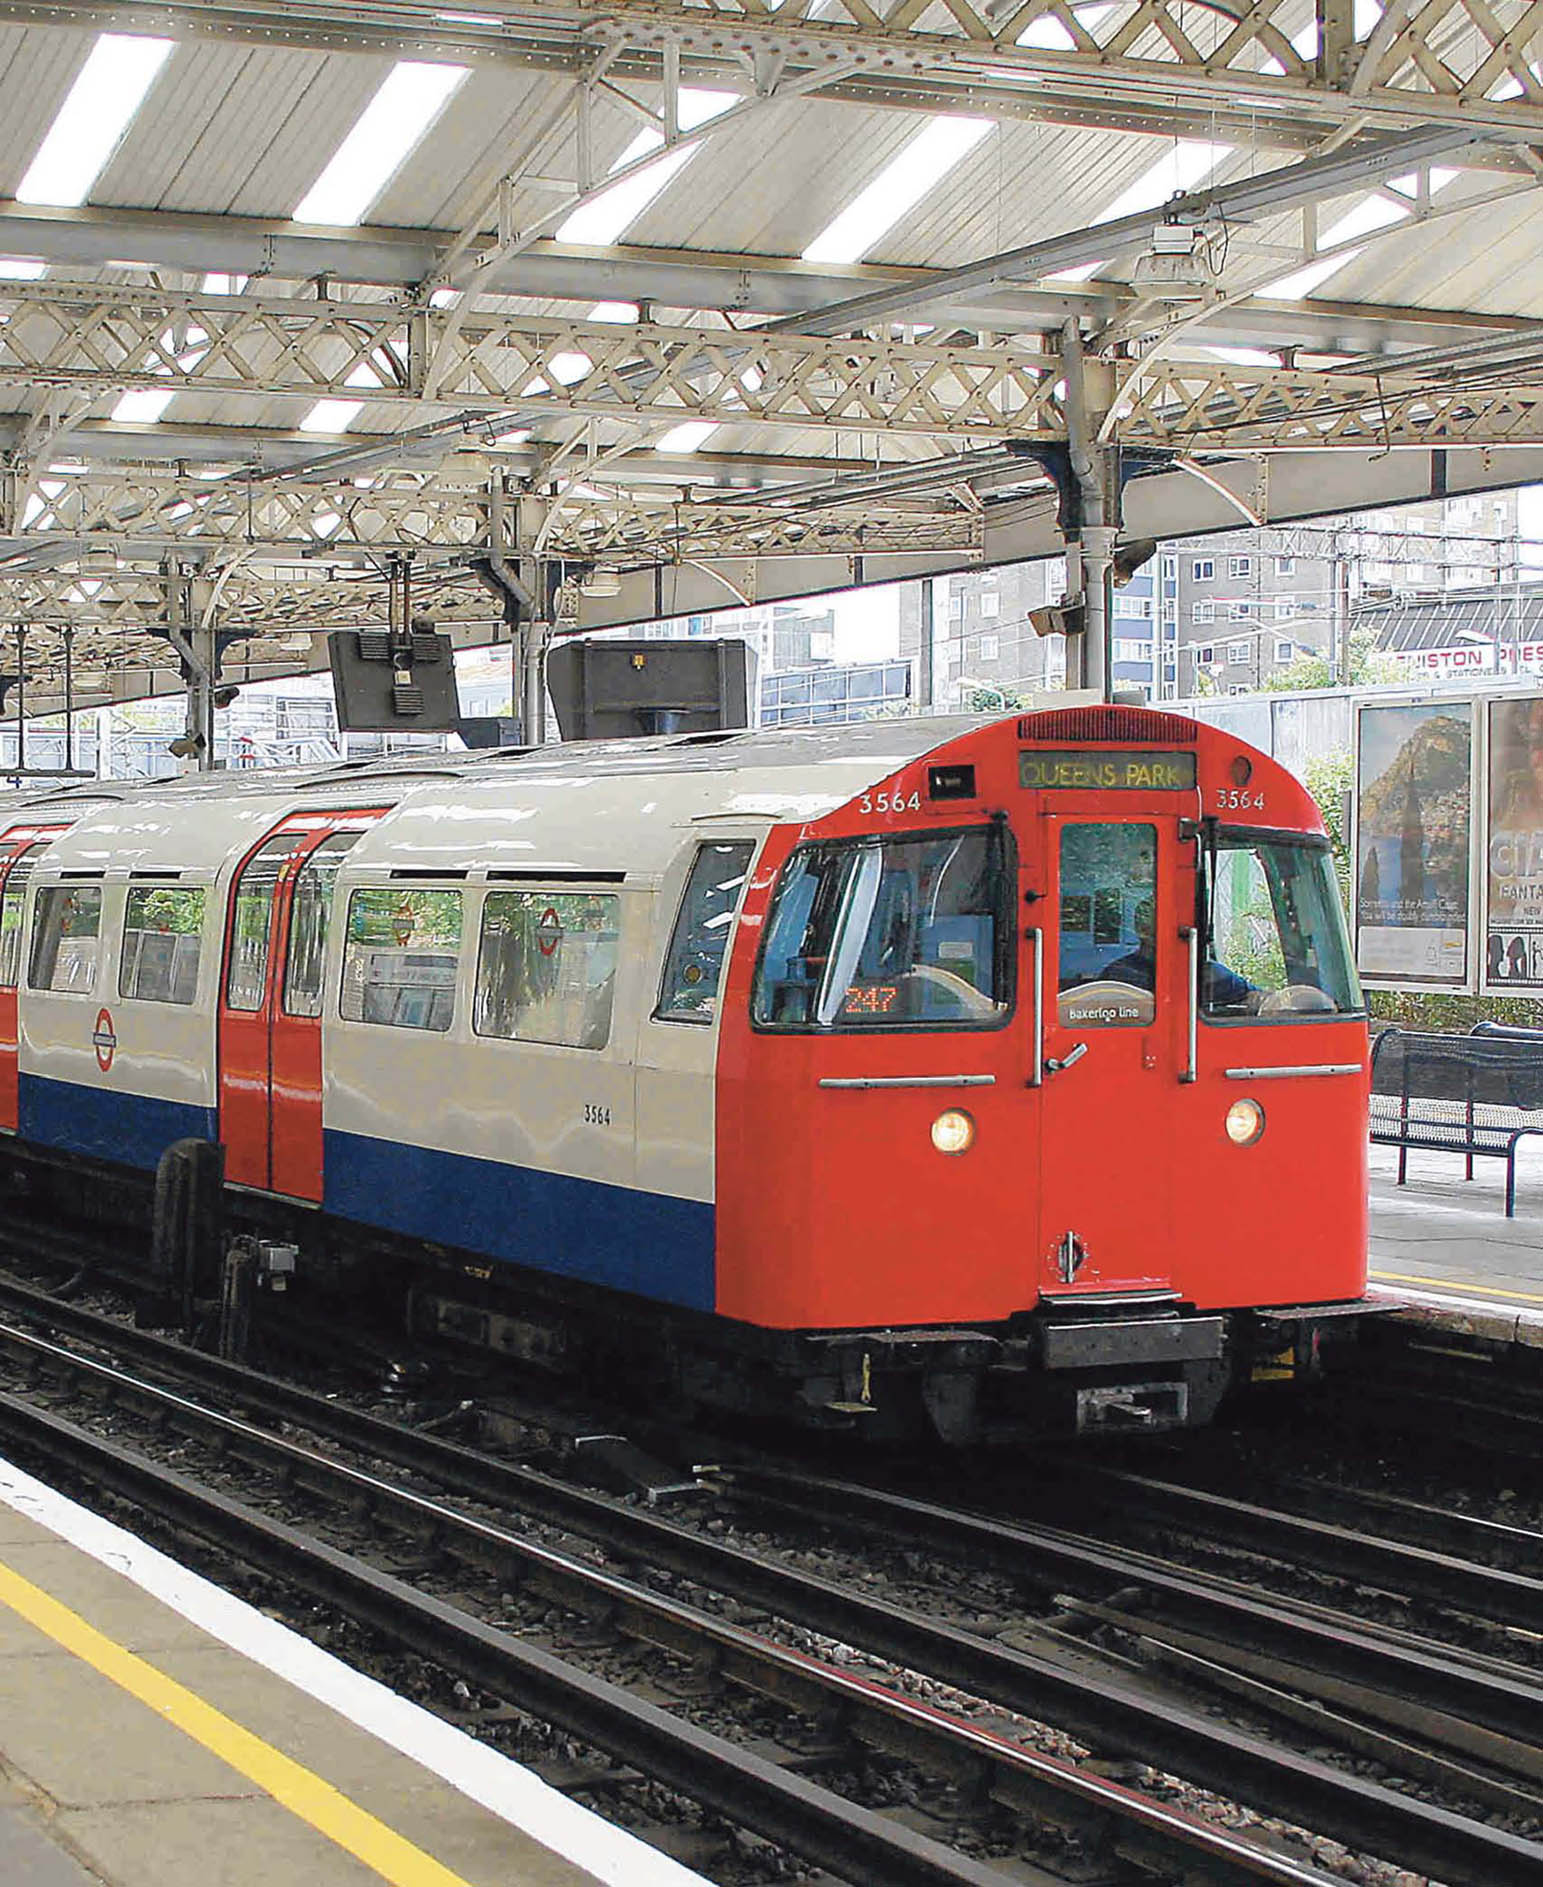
[1477,1095]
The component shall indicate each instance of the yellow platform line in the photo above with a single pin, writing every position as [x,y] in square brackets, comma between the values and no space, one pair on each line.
[1458,1284]
[289,1783]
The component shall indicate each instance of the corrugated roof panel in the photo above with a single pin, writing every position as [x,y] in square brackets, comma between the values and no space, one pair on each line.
[231,106]
[770,184]
[482,134]
[37,68]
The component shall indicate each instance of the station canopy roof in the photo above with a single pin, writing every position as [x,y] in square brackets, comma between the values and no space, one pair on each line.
[660,305]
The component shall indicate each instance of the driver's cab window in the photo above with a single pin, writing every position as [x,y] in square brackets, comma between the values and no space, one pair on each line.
[1277,947]
[1107,920]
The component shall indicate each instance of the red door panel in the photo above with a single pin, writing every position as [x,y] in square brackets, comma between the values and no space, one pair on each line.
[270,1012]
[1116,1042]
[16,845]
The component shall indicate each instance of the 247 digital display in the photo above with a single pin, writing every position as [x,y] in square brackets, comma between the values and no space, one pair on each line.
[870,999]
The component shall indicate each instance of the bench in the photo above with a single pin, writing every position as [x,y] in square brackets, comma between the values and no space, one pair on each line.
[1477,1095]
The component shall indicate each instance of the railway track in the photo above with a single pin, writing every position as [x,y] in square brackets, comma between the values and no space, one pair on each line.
[1083,1695]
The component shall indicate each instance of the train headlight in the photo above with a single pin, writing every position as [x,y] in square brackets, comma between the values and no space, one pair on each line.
[953,1131]
[1245,1123]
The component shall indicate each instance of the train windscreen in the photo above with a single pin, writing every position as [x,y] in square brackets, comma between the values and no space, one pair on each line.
[889,933]
[1276,941]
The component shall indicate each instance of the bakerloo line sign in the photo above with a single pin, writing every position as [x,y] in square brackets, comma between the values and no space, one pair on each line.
[1447,845]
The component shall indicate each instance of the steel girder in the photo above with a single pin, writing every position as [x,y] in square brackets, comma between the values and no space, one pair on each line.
[518,368]
[1421,60]
[1189,407]
[92,336]
[442,517]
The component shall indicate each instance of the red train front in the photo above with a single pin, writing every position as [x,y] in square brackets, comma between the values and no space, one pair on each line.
[1042,1083]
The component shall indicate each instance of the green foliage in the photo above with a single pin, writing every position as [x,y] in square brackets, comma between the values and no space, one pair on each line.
[410,920]
[994,701]
[1368,665]
[1459,1013]
[168,910]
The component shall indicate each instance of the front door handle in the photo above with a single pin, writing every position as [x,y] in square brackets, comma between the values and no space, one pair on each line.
[1037,1042]
[1068,1060]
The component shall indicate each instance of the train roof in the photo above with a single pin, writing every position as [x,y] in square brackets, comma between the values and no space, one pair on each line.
[591,805]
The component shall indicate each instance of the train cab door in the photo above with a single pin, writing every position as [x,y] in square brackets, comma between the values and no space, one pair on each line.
[1113,1026]
[271,1003]
[18,849]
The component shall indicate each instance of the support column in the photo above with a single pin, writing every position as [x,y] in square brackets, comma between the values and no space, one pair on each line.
[1090,560]
[927,663]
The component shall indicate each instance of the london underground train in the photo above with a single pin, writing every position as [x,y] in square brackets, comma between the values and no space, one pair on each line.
[935,1075]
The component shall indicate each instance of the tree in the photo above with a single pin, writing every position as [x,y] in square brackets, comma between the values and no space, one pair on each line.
[988,700]
[1368,664]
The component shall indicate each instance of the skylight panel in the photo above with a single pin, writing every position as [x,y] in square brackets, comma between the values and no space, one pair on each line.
[1047,34]
[20,269]
[1370,214]
[89,126]
[332,416]
[690,436]
[1188,163]
[338,415]
[410,98]
[923,163]
[143,406]
[225,284]
[603,218]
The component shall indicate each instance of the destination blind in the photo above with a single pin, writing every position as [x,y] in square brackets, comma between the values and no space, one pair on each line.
[1148,771]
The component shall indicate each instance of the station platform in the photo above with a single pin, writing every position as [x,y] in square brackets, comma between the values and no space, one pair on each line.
[157,1732]
[1443,1247]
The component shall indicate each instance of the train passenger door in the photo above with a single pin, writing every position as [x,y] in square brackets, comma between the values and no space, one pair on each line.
[18,849]
[271,1003]
[1115,1031]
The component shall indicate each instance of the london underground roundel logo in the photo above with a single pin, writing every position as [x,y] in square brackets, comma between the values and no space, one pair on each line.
[104,1039]
[549,932]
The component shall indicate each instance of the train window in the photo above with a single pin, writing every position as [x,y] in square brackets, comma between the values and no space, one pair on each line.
[1107,973]
[12,910]
[246,974]
[162,930]
[308,914]
[1277,949]
[400,957]
[892,934]
[693,969]
[546,971]
[66,939]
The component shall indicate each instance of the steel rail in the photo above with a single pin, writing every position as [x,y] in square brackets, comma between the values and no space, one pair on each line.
[1095,1708]
[1504,1597]
[748,1790]
[1144,1831]
[1510,1705]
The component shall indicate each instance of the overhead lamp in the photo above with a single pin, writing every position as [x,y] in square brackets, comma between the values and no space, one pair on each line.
[603,581]
[1177,266]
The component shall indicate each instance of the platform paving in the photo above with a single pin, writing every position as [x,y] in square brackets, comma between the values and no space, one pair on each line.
[103,1787]
[1445,1243]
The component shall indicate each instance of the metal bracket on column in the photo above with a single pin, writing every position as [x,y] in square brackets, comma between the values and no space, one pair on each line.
[198,657]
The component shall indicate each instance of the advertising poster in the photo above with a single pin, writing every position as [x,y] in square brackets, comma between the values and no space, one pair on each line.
[1513,900]
[1413,832]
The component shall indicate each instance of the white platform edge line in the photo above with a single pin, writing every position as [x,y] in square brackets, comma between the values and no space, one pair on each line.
[504,1787]
[1440,1300]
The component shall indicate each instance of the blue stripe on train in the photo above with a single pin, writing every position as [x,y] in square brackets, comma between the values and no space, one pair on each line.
[106,1124]
[645,1242]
